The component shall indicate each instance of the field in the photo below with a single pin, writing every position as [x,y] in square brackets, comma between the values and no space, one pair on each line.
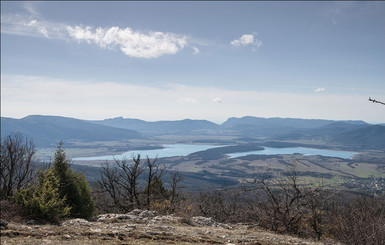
[364,173]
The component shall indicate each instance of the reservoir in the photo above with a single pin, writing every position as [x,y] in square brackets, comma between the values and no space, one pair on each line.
[172,150]
[169,150]
[292,150]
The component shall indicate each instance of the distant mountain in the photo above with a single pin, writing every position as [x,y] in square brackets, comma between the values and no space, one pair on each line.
[49,130]
[340,127]
[287,127]
[283,122]
[370,137]
[180,126]
[324,132]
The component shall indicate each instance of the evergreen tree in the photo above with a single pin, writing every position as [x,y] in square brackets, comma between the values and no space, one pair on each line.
[157,189]
[43,199]
[73,186]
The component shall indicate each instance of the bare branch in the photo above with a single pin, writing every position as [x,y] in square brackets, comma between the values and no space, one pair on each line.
[376,101]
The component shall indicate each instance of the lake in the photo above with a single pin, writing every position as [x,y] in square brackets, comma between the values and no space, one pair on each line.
[293,150]
[169,150]
[172,150]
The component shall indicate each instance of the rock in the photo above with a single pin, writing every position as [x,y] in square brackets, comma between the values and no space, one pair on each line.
[135,212]
[129,227]
[203,221]
[82,222]
[166,218]
[126,217]
[147,214]
[112,217]
[31,222]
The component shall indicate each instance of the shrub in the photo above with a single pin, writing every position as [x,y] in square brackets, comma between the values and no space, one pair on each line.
[358,221]
[43,199]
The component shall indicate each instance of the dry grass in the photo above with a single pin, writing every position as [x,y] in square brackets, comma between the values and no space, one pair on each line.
[149,231]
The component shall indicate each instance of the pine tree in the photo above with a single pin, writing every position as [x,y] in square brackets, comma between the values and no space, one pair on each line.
[43,199]
[73,186]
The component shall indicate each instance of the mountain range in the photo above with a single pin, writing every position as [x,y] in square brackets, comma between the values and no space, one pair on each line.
[48,130]
[160,127]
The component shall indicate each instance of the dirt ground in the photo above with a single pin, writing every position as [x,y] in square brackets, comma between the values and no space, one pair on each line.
[142,229]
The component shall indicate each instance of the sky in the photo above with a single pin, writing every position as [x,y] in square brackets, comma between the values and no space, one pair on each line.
[197,60]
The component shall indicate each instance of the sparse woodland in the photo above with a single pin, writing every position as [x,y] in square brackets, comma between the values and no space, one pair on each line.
[279,204]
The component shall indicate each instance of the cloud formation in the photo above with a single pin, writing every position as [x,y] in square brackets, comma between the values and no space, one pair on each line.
[17,24]
[246,40]
[318,90]
[217,100]
[132,43]
[196,50]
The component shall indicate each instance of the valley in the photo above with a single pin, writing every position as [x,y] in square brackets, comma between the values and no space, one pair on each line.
[209,158]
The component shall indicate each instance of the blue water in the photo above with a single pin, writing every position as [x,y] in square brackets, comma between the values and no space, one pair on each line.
[293,150]
[168,151]
[172,150]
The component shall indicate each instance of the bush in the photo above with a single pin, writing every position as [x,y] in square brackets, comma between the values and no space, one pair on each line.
[43,199]
[358,221]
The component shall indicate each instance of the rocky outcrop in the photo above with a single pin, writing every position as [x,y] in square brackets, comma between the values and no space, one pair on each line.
[143,227]
[82,222]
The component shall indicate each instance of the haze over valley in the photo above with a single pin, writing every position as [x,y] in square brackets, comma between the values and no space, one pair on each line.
[335,152]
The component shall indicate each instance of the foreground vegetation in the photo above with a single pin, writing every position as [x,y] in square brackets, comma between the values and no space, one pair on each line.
[278,203]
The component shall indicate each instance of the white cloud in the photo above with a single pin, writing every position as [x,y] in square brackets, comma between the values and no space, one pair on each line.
[247,39]
[188,100]
[217,100]
[24,95]
[132,43]
[196,50]
[30,7]
[317,90]
[16,24]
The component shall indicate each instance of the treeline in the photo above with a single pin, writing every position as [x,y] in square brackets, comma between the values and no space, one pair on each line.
[277,203]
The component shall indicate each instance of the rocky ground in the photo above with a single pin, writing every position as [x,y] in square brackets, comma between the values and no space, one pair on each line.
[142,227]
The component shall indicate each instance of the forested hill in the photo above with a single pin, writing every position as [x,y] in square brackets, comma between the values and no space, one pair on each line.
[49,130]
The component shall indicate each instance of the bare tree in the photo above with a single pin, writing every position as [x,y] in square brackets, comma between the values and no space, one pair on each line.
[358,221]
[17,170]
[154,171]
[120,180]
[176,178]
[108,184]
[376,101]
[126,185]
[287,202]
[219,203]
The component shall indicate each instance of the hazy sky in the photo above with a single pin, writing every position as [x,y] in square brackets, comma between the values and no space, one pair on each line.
[198,60]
